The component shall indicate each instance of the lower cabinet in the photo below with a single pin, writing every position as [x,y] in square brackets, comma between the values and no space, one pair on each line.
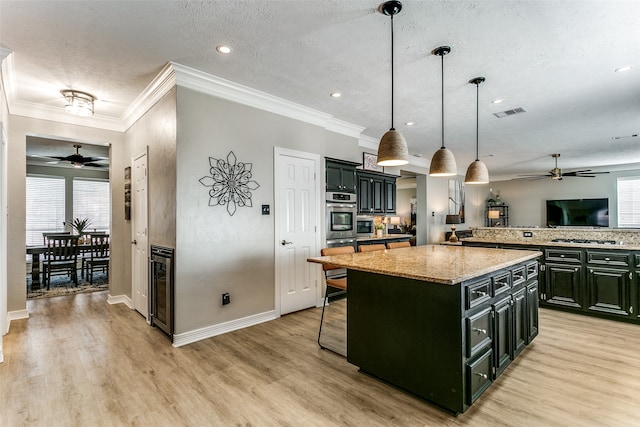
[609,290]
[532,311]
[564,285]
[502,334]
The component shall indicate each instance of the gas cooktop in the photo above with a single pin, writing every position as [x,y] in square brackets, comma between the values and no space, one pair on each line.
[591,241]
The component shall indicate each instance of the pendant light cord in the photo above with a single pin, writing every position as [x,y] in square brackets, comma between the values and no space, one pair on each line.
[477,118]
[392,128]
[442,69]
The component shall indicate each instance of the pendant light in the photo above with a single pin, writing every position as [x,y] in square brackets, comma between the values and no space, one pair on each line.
[392,150]
[477,172]
[443,163]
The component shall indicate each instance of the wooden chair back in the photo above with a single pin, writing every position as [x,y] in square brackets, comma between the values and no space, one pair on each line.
[49,234]
[395,245]
[371,248]
[62,248]
[99,246]
[340,250]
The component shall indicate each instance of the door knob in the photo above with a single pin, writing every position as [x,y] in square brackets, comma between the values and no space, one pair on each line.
[284,242]
[134,242]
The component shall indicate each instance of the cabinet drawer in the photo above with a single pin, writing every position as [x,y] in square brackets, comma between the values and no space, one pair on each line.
[519,275]
[478,331]
[479,376]
[532,270]
[478,293]
[608,258]
[563,255]
[502,283]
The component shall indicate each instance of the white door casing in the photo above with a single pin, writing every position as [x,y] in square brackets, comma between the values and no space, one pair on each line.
[139,232]
[297,233]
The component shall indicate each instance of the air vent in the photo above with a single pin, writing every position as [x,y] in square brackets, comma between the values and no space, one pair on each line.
[506,113]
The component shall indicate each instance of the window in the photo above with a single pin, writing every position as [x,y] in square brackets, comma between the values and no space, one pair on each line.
[629,202]
[91,200]
[45,207]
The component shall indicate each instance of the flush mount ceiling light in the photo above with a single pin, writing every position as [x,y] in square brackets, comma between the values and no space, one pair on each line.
[392,150]
[477,172]
[443,163]
[78,103]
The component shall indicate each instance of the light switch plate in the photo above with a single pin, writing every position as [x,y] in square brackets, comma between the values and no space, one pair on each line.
[266,210]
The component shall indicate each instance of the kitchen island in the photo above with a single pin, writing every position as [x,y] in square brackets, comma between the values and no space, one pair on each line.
[441,322]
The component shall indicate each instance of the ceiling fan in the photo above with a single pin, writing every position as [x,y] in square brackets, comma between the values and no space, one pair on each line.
[77,160]
[556,172]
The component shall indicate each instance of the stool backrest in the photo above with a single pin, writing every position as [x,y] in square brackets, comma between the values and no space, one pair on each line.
[394,245]
[339,250]
[370,248]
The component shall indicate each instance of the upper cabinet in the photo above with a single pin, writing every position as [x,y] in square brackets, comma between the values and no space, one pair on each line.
[376,193]
[341,175]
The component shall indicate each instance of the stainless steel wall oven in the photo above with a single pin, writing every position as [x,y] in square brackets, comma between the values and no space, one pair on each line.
[341,215]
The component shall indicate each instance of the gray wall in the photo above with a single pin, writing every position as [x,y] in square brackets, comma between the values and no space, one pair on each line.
[526,199]
[18,127]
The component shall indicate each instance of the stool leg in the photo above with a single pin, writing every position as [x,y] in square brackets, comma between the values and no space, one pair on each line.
[324,304]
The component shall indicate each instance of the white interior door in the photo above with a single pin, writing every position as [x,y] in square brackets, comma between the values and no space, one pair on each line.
[139,224]
[297,231]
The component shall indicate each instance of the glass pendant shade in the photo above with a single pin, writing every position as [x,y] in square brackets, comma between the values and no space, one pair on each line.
[477,173]
[392,150]
[443,163]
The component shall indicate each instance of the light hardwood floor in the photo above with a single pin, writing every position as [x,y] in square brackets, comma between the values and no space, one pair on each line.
[79,361]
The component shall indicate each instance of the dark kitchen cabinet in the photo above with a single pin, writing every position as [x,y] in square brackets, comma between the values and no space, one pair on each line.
[520,318]
[564,285]
[341,175]
[609,290]
[502,334]
[376,193]
[532,311]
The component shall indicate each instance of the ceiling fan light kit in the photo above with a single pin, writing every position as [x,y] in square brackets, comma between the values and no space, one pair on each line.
[392,150]
[443,163]
[78,103]
[477,172]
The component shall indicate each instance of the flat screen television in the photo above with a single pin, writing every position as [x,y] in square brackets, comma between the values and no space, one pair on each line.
[578,213]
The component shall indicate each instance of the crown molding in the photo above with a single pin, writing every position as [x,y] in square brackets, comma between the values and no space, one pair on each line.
[8,77]
[211,85]
[159,87]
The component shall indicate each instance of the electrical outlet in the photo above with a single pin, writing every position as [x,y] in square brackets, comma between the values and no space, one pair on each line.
[527,234]
[226,298]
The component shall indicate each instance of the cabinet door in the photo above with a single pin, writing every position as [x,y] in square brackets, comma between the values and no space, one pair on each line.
[563,285]
[349,179]
[502,334]
[334,177]
[365,204]
[390,195]
[532,311]
[519,321]
[609,290]
[377,194]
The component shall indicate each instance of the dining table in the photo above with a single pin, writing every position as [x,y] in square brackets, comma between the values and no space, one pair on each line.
[35,252]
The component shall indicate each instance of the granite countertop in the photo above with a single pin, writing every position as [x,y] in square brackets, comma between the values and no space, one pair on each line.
[534,242]
[385,237]
[433,263]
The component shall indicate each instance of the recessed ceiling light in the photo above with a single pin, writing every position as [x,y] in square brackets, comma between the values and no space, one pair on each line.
[223,49]
[497,101]
[623,69]
[409,123]
[335,94]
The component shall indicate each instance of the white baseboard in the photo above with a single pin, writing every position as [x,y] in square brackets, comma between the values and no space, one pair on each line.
[211,331]
[120,299]
[16,315]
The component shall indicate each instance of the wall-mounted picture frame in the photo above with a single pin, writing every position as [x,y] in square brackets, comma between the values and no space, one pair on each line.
[370,162]
[127,193]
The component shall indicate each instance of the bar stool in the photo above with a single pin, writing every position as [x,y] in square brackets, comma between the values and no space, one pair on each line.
[339,282]
[371,248]
[395,245]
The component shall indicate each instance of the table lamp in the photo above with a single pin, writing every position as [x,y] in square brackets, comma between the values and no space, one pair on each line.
[493,214]
[453,220]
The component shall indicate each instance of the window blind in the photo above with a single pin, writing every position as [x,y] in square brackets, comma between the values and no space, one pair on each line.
[629,202]
[91,199]
[44,208]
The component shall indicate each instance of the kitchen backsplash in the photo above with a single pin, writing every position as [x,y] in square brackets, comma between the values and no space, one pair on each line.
[541,235]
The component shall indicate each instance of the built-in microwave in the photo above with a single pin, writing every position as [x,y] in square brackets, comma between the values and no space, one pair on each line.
[364,226]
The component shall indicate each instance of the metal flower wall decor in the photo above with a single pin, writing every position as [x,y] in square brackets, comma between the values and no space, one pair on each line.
[229,183]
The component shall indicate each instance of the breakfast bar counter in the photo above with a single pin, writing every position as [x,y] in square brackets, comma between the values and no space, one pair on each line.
[441,322]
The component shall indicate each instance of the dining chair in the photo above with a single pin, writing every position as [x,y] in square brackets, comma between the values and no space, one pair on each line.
[61,258]
[338,282]
[395,245]
[97,257]
[48,234]
[371,248]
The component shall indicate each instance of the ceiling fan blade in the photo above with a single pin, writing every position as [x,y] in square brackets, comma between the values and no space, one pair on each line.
[96,165]
[94,159]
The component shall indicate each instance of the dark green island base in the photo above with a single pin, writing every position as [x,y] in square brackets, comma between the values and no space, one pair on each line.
[442,343]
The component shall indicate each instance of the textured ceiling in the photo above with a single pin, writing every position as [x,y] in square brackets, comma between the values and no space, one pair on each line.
[556,59]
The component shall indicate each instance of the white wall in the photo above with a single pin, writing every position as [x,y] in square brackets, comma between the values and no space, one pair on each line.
[526,199]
